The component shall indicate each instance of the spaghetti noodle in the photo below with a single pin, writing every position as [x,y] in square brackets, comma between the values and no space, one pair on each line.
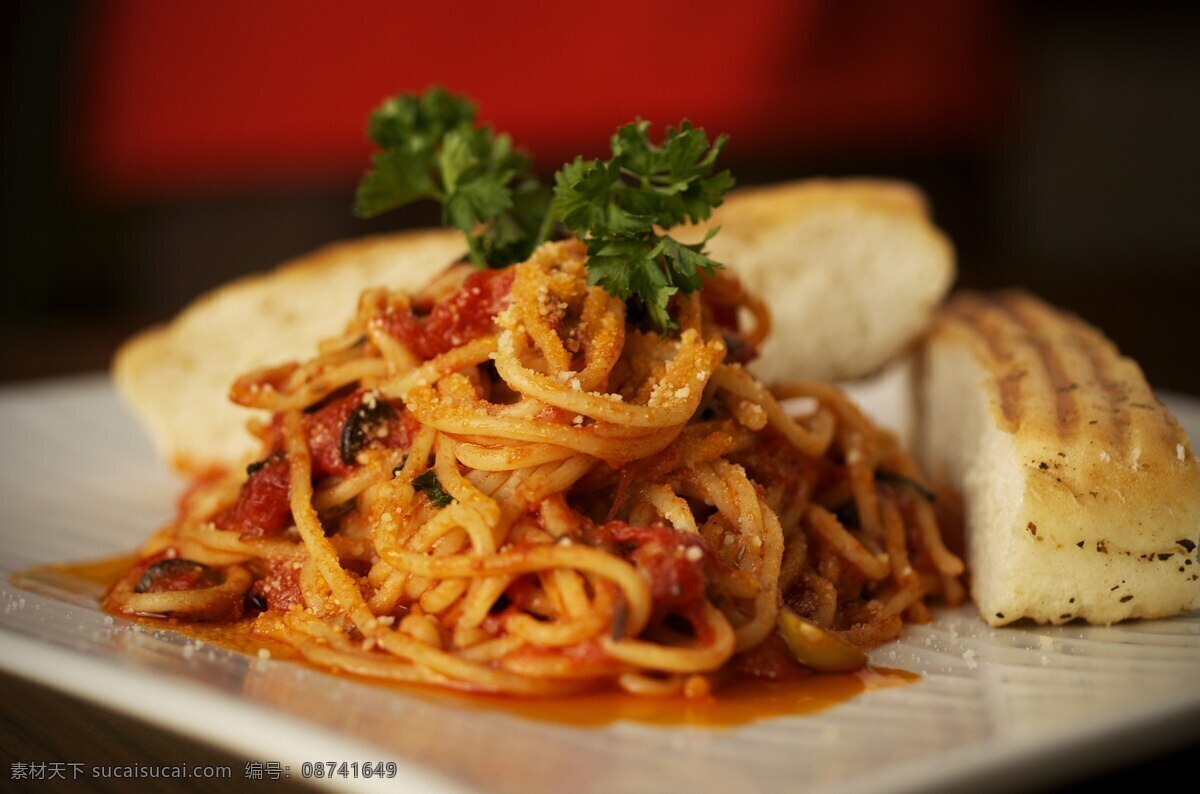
[506,484]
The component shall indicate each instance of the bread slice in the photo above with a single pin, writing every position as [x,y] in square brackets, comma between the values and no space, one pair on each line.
[176,377]
[1081,491]
[851,270]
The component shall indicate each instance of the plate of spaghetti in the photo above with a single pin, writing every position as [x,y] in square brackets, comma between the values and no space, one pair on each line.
[502,484]
[549,470]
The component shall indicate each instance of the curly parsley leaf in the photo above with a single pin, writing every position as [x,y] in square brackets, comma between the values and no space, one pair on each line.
[431,148]
[408,130]
[619,205]
[514,233]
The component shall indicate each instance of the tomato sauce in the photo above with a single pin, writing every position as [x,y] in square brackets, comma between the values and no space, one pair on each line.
[739,701]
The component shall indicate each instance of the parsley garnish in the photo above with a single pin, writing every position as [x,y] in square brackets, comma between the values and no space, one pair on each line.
[432,148]
[428,483]
[617,205]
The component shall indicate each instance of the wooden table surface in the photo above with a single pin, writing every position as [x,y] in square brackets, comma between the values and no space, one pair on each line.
[38,724]
[41,726]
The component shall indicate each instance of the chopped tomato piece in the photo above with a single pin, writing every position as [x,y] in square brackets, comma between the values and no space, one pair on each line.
[338,431]
[278,588]
[262,508]
[672,561]
[466,315]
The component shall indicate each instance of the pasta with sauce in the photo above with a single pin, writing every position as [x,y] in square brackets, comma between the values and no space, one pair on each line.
[505,484]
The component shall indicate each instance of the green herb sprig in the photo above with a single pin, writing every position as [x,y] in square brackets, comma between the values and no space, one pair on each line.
[618,205]
[427,482]
[431,147]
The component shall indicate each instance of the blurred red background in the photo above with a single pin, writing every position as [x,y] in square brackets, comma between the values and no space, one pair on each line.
[229,95]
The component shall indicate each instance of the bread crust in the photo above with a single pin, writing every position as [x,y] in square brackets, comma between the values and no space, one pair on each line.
[1082,490]
[852,270]
[176,376]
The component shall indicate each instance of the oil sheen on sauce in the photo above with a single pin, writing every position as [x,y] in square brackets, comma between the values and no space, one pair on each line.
[737,702]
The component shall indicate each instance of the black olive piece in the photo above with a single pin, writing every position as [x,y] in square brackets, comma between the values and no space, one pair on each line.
[739,351]
[847,515]
[256,602]
[894,478]
[177,566]
[361,426]
[680,625]
[259,464]
[620,620]
[625,547]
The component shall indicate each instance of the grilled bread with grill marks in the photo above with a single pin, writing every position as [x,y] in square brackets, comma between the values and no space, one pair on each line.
[1081,491]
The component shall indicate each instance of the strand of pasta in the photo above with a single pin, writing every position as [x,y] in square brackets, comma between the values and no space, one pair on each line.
[735,379]
[706,656]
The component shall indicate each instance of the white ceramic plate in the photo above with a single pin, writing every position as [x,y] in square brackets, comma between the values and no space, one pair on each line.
[994,709]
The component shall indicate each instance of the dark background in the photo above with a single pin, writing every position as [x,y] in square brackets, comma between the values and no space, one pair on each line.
[151,151]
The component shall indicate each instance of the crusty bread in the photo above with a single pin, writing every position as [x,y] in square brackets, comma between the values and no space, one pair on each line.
[176,377]
[1081,491]
[851,270]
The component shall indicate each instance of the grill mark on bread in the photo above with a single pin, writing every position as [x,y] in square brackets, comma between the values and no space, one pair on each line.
[1040,338]
[978,318]
[1015,327]
[1103,359]
[1136,420]
[1046,364]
